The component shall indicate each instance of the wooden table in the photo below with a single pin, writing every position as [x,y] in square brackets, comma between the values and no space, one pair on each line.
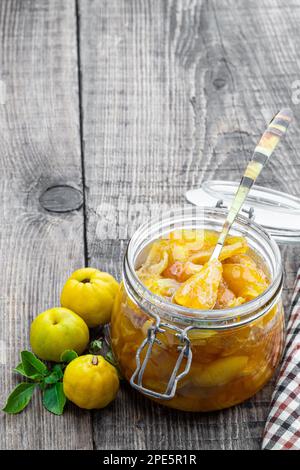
[109,109]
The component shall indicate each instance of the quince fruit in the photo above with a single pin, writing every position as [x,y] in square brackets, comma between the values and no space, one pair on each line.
[56,330]
[90,382]
[90,293]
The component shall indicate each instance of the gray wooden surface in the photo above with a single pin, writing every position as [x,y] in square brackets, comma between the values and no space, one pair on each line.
[114,109]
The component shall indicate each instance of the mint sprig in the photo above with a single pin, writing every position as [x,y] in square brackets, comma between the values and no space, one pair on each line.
[47,379]
[55,375]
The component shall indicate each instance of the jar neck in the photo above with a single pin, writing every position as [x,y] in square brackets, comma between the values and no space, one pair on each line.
[156,306]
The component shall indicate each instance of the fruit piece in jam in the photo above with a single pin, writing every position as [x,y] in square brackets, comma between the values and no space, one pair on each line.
[226,298]
[179,269]
[201,290]
[244,281]
[162,287]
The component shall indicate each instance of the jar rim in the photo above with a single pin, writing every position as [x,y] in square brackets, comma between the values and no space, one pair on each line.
[156,305]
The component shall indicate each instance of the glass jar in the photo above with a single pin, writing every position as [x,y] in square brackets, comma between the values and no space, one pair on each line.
[197,360]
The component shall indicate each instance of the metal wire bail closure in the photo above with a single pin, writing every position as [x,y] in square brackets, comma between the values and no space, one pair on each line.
[185,353]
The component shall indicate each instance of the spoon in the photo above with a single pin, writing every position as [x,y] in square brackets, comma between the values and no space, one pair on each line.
[200,291]
[269,140]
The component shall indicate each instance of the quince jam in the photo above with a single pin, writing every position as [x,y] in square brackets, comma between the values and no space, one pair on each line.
[179,269]
[229,364]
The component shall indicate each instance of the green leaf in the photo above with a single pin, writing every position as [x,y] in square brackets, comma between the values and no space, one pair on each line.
[68,355]
[58,370]
[55,375]
[20,370]
[95,346]
[32,366]
[19,398]
[110,358]
[42,385]
[54,398]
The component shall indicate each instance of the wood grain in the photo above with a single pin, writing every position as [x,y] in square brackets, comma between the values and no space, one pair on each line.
[173,93]
[39,147]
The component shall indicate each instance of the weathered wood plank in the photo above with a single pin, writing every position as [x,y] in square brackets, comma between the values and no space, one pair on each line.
[175,92]
[39,147]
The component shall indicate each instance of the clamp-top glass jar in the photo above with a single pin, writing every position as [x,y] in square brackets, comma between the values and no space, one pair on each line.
[198,360]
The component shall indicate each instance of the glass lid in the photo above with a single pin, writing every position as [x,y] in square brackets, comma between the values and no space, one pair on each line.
[277,212]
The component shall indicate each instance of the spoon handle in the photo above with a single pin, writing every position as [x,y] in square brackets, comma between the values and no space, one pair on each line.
[264,149]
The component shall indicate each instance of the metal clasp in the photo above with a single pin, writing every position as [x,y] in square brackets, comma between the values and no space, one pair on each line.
[250,212]
[185,353]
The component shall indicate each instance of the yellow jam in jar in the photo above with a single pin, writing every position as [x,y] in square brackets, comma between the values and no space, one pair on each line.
[228,365]
[179,269]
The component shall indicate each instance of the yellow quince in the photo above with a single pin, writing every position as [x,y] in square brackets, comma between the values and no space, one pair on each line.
[90,293]
[90,382]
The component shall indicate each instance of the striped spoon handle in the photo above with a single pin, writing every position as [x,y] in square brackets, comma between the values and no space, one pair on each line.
[266,146]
